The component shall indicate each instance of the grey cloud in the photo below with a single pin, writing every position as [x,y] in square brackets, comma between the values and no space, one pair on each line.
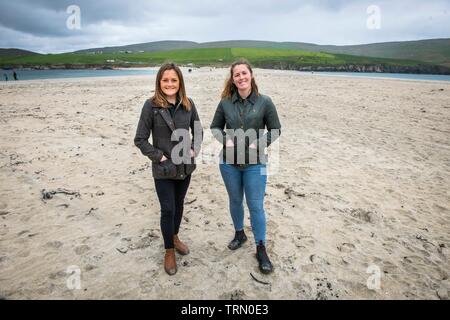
[38,24]
[30,18]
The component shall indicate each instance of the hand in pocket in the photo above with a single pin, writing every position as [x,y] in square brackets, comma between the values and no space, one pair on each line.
[166,169]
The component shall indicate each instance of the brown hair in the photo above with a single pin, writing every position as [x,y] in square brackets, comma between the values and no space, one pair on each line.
[159,98]
[230,87]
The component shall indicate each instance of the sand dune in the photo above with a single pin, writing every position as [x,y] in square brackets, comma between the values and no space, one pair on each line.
[362,185]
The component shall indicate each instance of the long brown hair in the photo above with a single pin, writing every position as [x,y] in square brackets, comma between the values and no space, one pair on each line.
[159,98]
[230,87]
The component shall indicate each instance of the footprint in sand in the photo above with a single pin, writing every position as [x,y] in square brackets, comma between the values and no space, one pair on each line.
[304,290]
[46,289]
[54,244]
[89,267]
[318,265]
[4,230]
[82,249]
[3,259]
[147,283]
[304,241]
[360,215]
[314,258]
[58,274]
[346,247]
[23,253]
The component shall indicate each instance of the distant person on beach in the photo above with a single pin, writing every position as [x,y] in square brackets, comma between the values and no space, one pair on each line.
[244,110]
[15,75]
[170,112]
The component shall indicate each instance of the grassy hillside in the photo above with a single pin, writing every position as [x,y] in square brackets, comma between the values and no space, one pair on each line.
[435,51]
[215,56]
[148,47]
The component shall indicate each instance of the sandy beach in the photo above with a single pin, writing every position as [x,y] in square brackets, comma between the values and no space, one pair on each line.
[358,208]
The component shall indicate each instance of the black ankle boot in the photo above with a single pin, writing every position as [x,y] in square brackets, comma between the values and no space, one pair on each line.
[239,239]
[261,255]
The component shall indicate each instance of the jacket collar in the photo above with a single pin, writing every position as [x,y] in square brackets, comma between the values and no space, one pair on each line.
[252,97]
[167,118]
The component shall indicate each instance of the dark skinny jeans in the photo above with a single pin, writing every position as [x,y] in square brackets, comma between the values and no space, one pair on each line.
[171,195]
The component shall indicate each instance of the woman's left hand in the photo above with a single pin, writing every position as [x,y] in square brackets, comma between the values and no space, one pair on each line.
[252,146]
[192,153]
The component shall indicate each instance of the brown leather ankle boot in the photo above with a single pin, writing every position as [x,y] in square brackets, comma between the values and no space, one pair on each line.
[170,263]
[180,246]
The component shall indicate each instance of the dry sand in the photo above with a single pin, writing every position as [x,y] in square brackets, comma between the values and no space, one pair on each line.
[363,185]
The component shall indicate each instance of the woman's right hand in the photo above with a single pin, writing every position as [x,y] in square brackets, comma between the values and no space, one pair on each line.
[230,143]
[164,158]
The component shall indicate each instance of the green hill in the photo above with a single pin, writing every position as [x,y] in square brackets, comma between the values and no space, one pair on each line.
[147,47]
[260,57]
[215,56]
[434,51]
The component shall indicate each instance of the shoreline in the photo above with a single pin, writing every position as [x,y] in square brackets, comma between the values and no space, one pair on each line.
[202,70]
[282,65]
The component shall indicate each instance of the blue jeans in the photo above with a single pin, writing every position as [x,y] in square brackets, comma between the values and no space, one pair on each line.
[251,181]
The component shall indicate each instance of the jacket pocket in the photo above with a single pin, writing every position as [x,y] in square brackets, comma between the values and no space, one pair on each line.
[165,169]
[189,168]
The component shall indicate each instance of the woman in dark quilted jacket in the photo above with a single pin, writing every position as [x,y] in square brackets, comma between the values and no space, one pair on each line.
[170,113]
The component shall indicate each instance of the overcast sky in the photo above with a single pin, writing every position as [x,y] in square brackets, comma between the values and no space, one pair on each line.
[41,25]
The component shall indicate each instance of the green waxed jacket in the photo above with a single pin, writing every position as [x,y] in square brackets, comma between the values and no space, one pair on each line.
[158,122]
[244,121]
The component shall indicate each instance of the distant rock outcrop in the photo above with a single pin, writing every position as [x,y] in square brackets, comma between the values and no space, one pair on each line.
[380,68]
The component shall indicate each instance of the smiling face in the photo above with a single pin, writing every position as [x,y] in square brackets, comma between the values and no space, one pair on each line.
[170,84]
[242,78]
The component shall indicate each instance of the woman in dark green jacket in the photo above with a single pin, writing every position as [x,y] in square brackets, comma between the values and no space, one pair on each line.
[245,114]
[170,113]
